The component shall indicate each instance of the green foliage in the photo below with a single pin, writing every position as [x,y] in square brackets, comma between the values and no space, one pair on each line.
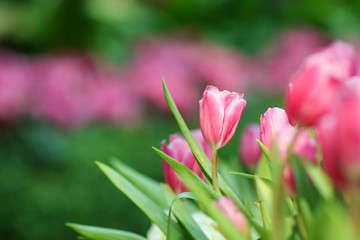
[97,233]
[47,175]
[278,216]
[150,208]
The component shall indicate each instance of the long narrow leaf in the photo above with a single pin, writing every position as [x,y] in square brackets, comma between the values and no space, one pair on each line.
[183,215]
[99,233]
[151,209]
[264,149]
[320,180]
[201,157]
[183,172]
[199,154]
[251,176]
[150,187]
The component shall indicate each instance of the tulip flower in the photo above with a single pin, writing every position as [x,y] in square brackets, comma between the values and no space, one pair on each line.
[250,150]
[230,210]
[220,113]
[276,129]
[15,85]
[274,120]
[312,89]
[180,151]
[339,135]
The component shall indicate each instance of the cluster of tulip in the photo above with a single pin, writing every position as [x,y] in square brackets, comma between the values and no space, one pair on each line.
[73,89]
[302,154]
[68,89]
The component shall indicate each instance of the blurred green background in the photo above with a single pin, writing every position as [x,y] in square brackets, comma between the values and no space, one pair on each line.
[47,173]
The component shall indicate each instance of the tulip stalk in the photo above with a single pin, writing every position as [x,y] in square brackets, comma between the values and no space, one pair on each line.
[278,205]
[280,192]
[215,180]
[353,207]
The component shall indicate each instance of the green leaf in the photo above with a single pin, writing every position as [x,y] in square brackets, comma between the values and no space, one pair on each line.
[264,149]
[304,187]
[199,154]
[202,159]
[148,186]
[183,215]
[321,181]
[331,222]
[265,217]
[99,233]
[264,190]
[184,172]
[183,212]
[251,176]
[151,209]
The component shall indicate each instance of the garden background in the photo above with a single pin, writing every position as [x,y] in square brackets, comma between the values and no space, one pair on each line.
[47,171]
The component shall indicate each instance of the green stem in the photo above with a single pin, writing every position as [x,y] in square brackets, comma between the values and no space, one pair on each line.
[278,207]
[354,211]
[215,180]
[280,192]
[301,221]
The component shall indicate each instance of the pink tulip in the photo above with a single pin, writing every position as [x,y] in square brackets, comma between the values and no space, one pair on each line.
[339,134]
[180,151]
[62,86]
[15,83]
[216,65]
[230,210]
[276,129]
[313,87]
[115,100]
[250,150]
[282,59]
[220,113]
[331,163]
[169,59]
[274,120]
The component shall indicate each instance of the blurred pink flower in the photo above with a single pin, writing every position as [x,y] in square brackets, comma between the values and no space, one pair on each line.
[180,151]
[219,66]
[61,89]
[250,151]
[15,81]
[186,66]
[171,60]
[272,122]
[116,100]
[339,135]
[276,129]
[220,113]
[274,68]
[231,211]
[312,89]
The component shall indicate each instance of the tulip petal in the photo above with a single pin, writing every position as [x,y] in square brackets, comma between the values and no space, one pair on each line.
[233,112]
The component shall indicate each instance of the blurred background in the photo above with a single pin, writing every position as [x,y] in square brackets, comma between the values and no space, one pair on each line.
[80,81]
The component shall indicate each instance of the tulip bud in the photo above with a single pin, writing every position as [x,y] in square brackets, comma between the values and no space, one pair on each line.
[276,129]
[339,134]
[220,113]
[250,150]
[179,149]
[230,210]
[312,89]
[274,120]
